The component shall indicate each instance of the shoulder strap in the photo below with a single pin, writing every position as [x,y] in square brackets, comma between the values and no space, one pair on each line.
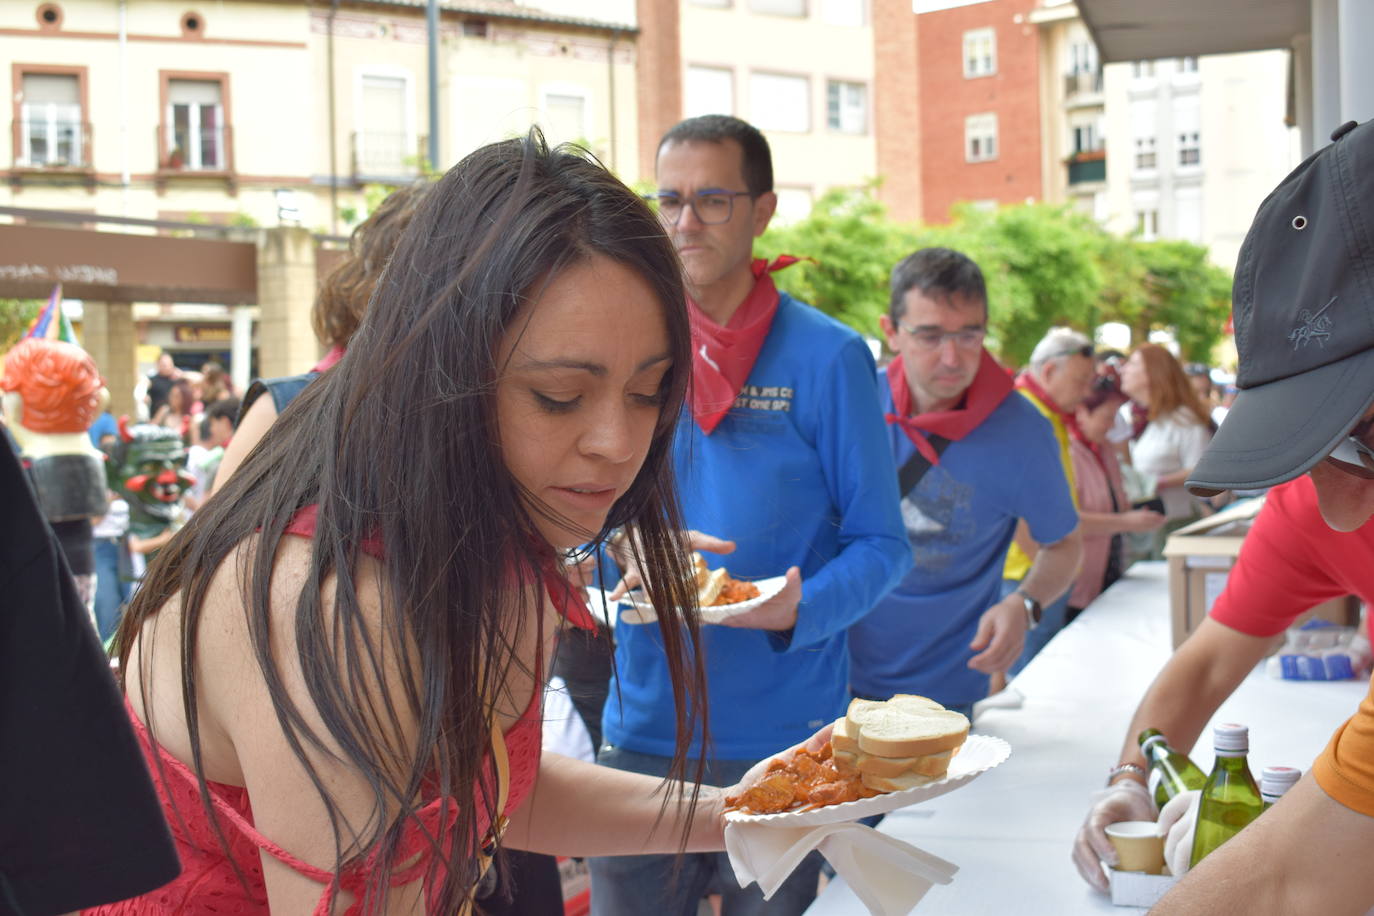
[910,473]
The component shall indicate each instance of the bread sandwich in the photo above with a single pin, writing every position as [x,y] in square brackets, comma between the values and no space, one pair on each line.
[899,743]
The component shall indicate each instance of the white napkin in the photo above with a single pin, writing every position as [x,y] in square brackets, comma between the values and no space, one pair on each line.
[888,875]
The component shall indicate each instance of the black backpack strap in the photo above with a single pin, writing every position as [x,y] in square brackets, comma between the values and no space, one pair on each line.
[910,473]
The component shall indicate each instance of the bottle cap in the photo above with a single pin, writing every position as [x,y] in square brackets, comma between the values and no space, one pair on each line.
[1147,741]
[1274,781]
[1231,738]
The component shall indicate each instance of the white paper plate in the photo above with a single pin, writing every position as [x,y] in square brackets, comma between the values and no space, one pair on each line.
[639,609]
[979,754]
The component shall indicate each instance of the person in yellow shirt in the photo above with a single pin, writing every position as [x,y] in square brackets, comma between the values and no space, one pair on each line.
[1059,377]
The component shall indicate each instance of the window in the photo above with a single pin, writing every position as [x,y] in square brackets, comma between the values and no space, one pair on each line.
[980,53]
[195,116]
[1082,57]
[846,107]
[384,142]
[565,117]
[1189,148]
[1145,157]
[708,90]
[779,7]
[1147,224]
[1188,129]
[718,4]
[778,102]
[980,137]
[1143,69]
[51,131]
[1187,65]
[1085,137]
[844,12]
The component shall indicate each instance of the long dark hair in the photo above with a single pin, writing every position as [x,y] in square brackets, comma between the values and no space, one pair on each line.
[399,442]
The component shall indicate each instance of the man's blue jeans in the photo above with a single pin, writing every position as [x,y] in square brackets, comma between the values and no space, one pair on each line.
[111,588]
[638,885]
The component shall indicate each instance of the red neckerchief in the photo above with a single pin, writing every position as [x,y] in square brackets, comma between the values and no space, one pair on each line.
[567,599]
[723,357]
[990,387]
[1026,382]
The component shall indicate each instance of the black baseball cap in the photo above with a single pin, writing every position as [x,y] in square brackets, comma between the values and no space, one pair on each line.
[1303,310]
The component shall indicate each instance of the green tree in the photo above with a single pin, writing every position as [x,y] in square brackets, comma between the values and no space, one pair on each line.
[15,317]
[1184,292]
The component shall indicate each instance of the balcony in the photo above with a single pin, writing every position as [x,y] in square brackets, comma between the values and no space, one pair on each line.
[1083,88]
[1087,165]
[195,150]
[52,144]
[387,157]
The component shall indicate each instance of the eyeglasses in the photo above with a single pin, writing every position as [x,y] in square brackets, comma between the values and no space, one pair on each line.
[1354,456]
[711,207]
[930,341]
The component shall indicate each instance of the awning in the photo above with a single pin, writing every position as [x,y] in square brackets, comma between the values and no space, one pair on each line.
[1127,30]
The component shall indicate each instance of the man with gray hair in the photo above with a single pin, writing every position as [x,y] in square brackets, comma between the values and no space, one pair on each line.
[974,462]
[1059,378]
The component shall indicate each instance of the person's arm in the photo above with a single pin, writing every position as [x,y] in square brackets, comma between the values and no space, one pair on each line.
[1095,523]
[1307,854]
[254,425]
[148,545]
[581,809]
[1002,629]
[852,442]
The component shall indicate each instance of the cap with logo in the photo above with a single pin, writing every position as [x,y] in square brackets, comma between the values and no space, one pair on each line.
[1303,310]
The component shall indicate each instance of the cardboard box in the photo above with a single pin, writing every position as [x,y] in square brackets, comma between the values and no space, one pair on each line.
[1135,888]
[1200,558]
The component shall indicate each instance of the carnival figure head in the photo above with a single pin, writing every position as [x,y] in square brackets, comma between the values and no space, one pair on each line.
[511,393]
[148,469]
[52,395]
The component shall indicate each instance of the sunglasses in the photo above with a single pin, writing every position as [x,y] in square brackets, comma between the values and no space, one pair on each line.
[1354,456]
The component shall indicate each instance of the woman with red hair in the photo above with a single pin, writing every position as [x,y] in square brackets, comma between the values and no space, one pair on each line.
[1175,436]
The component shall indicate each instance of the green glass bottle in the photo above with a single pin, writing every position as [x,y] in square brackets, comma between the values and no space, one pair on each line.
[1177,773]
[1274,781]
[1230,799]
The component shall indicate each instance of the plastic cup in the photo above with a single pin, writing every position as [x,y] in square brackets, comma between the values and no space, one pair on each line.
[1138,845]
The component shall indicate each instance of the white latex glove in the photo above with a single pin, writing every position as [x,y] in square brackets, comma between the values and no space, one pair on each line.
[1126,800]
[1177,822]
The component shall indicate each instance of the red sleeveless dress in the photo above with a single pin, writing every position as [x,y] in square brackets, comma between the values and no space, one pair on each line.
[209,885]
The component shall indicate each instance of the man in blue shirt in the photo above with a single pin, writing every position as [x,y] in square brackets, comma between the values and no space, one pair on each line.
[972,461]
[782,453]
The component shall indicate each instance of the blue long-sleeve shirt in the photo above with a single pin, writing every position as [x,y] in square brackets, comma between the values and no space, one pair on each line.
[799,473]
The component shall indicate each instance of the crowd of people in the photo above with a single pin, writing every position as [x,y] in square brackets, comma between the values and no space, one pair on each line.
[335,663]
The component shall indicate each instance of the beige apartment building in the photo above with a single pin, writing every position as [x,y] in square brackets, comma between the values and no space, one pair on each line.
[262,114]
[1073,155]
[1194,144]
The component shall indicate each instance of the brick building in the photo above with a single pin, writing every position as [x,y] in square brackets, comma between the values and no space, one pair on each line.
[979,110]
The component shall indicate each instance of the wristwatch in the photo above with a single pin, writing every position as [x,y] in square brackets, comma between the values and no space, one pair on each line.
[1033,610]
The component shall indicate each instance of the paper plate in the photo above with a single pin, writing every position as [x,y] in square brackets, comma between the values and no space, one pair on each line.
[639,610]
[979,754]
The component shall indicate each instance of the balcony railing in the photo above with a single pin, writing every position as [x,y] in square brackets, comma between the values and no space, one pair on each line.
[195,149]
[1087,166]
[46,143]
[383,155]
[1082,83]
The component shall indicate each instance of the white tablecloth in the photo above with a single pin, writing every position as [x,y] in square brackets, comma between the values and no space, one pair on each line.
[1011,830]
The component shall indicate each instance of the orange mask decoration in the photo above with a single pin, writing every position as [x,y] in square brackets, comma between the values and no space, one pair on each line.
[58,383]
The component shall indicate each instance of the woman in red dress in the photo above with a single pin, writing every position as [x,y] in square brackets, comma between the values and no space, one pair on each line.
[337,665]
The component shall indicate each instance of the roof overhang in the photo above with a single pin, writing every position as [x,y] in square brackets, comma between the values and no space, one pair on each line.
[1128,30]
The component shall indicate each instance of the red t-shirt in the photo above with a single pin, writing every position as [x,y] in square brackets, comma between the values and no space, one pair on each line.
[1291,561]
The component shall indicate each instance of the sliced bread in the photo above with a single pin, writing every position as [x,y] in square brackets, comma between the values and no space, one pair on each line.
[898,732]
[930,765]
[844,737]
[896,783]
